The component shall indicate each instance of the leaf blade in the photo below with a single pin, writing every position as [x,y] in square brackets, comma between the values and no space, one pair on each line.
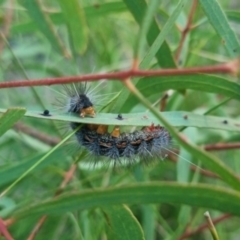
[12,172]
[218,20]
[43,22]
[164,56]
[162,35]
[123,223]
[10,117]
[201,82]
[199,195]
[75,19]
[176,118]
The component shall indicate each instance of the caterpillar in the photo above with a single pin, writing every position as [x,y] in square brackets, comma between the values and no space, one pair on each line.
[151,142]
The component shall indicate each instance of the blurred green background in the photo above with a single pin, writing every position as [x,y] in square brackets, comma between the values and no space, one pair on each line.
[50,38]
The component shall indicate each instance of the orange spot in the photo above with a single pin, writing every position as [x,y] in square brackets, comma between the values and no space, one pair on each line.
[87,111]
[102,129]
[116,132]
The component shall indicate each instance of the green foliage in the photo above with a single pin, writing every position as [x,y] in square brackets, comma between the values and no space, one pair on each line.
[157,201]
[10,117]
[161,192]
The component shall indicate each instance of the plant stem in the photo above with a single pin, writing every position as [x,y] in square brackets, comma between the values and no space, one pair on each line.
[186,30]
[226,68]
[211,226]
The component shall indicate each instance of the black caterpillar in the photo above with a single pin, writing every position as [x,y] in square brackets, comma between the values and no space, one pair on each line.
[145,144]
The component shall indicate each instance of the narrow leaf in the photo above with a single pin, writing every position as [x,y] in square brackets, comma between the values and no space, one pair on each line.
[36,164]
[138,9]
[146,22]
[44,24]
[11,116]
[91,12]
[162,35]
[75,19]
[234,16]
[14,171]
[175,118]
[218,19]
[122,223]
[205,83]
[198,195]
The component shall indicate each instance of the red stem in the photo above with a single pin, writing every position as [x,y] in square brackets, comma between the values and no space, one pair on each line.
[186,29]
[204,226]
[222,146]
[227,68]
[67,178]
[4,231]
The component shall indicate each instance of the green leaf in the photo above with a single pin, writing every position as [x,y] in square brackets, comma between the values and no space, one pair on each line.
[163,55]
[201,82]
[122,223]
[214,164]
[14,171]
[138,9]
[10,117]
[149,215]
[7,205]
[37,163]
[175,118]
[75,19]
[91,12]
[218,19]
[197,195]
[234,16]
[162,35]
[146,22]
[43,23]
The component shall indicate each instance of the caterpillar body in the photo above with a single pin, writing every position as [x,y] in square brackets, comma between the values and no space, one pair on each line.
[151,142]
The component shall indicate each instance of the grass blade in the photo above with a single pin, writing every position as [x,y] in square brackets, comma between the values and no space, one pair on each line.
[43,22]
[218,19]
[76,24]
[162,35]
[138,9]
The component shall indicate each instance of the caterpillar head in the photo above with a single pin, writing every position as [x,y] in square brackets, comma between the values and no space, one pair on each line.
[80,103]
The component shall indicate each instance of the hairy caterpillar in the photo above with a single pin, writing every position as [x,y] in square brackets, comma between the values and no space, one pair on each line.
[146,144]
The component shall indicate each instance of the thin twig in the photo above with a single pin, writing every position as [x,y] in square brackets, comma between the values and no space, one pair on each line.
[6,24]
[204,226]
[186,30]
[67,178]
[227,68]
[222,146]
[51,141]
[163,100]
[4,231]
